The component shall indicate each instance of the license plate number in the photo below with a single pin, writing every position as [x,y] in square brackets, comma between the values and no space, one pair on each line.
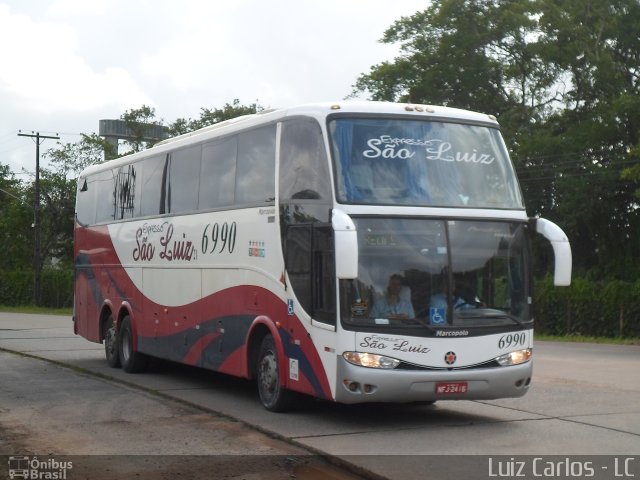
[446,388]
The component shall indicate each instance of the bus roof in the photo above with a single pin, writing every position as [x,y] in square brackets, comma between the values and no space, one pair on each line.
[317,110]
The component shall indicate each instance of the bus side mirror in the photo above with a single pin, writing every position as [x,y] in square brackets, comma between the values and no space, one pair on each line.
[346,245]
[561,250]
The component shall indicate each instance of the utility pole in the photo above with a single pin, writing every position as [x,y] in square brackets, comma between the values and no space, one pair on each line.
[37,267]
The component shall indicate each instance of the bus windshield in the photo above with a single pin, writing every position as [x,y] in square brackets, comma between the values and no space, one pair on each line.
[418,272]
[390,161]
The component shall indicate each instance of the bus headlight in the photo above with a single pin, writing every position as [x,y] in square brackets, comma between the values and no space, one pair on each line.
[515,358]
[370,360]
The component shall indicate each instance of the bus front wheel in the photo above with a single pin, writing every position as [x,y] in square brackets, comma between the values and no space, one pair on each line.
[273,395]
[132,361]
[110,335]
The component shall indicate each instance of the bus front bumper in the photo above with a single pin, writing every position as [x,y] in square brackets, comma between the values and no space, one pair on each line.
[361,384]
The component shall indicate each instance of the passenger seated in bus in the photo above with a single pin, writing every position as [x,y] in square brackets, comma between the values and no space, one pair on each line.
[393,305]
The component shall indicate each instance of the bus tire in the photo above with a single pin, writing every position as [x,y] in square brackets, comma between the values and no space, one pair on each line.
[132,361]
[273,395]
[111,343]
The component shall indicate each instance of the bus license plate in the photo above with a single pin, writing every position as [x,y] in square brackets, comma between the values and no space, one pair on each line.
[445,388]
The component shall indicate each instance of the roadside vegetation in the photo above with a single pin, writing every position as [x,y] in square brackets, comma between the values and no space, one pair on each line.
[38,310]
[586,339]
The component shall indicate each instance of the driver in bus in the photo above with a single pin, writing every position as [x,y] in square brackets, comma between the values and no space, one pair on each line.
[463,298]
[392,305]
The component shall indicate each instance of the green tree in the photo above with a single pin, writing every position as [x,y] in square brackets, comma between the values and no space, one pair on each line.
[57,193]
[140,122]
[57,207]
[16,220]
[212,116]
[594,46]
[467,54]
[70,159]
[563,78]
[632,173]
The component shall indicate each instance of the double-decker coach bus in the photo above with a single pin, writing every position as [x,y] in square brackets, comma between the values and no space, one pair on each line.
[355,252]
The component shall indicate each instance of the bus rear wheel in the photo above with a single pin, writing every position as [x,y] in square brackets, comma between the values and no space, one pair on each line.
[132,361]
[110,335]
[273,395]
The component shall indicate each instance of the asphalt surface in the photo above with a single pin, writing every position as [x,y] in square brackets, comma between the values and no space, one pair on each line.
[584,401]
[112,431]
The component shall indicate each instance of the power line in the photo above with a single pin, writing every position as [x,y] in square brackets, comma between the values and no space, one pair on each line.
[21,200]
[14,149]
[594,151]
[7,137]
[577,158]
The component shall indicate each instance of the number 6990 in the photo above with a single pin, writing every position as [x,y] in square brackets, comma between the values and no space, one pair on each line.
[512,340]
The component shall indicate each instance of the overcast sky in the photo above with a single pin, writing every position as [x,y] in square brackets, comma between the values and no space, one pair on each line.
[65,64]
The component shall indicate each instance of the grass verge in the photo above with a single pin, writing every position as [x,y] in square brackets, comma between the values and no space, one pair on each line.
[587,339]
[41,310]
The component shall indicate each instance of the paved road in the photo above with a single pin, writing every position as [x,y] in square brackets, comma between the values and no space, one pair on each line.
[585,400]
[109,431]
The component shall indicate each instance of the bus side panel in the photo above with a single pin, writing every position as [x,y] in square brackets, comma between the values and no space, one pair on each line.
[89,290]
[100,280]
[87,306]
[302,367]
[182,318]
[217,340]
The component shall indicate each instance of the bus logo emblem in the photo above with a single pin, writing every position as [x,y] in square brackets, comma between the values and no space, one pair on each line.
[290,307]
[450,358]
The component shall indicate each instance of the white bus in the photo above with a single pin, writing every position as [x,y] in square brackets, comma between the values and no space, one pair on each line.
[355,252]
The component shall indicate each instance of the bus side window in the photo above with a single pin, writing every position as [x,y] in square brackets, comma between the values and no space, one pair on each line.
[183,184]
[255,175]
[303,161]
[218,174]
[153,175]
[324,275]
[86,201]
[104,184]
[127,192]
[298,263]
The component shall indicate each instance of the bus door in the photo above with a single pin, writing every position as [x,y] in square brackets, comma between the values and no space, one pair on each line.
[310,264]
